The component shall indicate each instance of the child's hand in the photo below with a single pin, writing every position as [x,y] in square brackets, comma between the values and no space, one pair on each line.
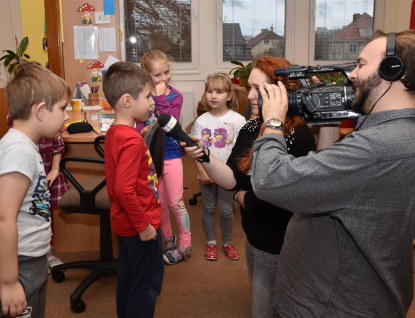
[148,234]
[13,299]
[161,89]
[52,175]
[205,178]
[144,130]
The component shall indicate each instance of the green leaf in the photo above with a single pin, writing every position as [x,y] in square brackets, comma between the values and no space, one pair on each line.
[237,63]
[4,57]
[12,54]
[11,67]
[23,45]
[26,56]
[8,60]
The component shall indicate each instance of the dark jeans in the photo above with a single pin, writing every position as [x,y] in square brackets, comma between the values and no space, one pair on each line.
[139,276]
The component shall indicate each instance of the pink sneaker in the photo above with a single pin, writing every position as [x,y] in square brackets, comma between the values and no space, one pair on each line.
[211,252]
[231,252]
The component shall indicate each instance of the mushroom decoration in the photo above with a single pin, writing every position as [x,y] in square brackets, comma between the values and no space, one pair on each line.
[86,7]
[94,66]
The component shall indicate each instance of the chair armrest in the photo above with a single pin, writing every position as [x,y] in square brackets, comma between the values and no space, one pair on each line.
[97,145]
[71,178]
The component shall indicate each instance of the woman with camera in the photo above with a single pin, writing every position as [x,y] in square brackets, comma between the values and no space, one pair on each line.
[263,223]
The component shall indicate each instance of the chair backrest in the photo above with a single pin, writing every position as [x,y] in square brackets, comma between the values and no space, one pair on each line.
[86,195]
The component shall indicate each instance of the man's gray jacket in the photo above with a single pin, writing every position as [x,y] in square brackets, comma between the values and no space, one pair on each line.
[348,249]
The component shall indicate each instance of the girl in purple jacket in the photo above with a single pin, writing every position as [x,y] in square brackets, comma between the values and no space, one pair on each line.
[168,100]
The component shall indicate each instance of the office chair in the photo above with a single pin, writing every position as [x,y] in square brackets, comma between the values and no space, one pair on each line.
[88,196]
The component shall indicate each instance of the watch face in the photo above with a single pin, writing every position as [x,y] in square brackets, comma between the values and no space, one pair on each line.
[275,123]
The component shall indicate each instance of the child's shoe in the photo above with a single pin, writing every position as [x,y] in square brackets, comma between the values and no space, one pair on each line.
[170,245]
[211,252]
[176,256]
[231,252]
[52,259]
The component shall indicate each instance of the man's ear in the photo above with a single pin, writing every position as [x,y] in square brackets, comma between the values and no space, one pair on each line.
[126,100]
[40,110]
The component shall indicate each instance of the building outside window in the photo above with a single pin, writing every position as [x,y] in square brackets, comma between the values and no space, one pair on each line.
[252,28]
[342,28]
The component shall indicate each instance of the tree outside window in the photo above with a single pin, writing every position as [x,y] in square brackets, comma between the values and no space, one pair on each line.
[158,24]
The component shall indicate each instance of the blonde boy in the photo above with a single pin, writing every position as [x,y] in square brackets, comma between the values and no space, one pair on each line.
[37,101]
[132,187]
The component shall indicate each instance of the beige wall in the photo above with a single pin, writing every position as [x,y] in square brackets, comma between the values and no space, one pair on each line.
[397,15]
[10,25]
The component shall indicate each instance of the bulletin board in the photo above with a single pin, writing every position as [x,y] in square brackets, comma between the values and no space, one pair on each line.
[100,35]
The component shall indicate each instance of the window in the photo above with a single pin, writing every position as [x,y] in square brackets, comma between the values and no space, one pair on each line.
[251,28]
[338,23]
[166,25]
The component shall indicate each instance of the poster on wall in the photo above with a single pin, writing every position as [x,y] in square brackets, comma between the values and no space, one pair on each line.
[85,42]
[107,40]
[101,18]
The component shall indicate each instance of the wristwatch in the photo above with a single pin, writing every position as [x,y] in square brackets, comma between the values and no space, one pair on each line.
[275,123]
[234,197]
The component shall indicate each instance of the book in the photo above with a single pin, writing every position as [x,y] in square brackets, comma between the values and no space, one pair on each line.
[101,114]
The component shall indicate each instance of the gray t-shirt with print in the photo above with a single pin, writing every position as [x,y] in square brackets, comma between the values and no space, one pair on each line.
[18,153]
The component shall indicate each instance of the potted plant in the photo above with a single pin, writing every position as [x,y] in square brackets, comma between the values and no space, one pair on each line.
[241,72]
[13,59]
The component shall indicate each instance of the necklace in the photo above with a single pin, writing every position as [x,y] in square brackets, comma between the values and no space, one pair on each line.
[289,139]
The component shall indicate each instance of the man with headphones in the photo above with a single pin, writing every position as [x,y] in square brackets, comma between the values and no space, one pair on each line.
[348,248]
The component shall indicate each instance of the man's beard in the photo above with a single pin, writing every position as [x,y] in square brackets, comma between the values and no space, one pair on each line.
[365,99]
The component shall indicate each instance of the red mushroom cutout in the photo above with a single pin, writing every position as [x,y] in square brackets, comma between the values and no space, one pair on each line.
[86,18]
[94,66]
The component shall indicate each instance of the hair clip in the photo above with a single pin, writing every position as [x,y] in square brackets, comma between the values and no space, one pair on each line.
[219,74]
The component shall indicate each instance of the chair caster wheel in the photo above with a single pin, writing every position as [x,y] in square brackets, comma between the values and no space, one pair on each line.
[193,201]
[59,277]
[78,306]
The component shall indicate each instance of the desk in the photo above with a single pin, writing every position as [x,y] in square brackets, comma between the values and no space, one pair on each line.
[78,232]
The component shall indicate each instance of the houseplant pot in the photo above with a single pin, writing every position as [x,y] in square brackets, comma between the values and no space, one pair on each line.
[241,72]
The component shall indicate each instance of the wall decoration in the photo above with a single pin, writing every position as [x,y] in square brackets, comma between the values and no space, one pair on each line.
[86,8]
[94,66]
[85,42]
[101,18]
[107,40]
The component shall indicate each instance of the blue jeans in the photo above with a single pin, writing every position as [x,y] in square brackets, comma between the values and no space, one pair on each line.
[139,276]
[262,269]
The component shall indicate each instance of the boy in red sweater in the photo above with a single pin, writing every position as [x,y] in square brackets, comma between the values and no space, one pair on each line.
[132,188]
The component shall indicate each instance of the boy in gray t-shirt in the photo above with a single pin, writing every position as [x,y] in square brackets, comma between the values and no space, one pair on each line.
[37,101]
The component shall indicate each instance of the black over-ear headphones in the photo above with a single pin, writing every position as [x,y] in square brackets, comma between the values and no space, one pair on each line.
[392,67]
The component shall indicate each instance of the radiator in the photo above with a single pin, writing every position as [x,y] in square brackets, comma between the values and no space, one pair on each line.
[189,108]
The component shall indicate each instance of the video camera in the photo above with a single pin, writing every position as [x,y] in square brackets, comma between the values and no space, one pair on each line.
[321,103]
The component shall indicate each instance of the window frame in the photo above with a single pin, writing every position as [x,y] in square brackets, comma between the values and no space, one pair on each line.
[299,33]
[177,67]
